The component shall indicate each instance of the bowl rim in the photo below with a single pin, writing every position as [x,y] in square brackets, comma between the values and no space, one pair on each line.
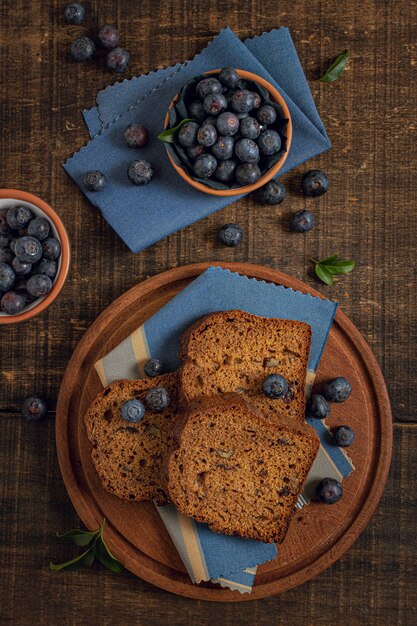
[271,173]
[24,196]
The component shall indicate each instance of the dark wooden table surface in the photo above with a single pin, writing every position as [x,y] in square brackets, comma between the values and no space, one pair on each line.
[368,215]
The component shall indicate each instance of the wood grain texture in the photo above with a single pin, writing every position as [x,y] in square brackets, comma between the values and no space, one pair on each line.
[367,215]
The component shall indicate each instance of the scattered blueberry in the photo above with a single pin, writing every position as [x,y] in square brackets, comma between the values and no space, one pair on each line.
[302,221]
[204,166]
[269,142]
[12,303]
[337,390]
[225,171]
[271,193]
[18,217]
[227,123]
[94,180]
[136,136]
[196,110]
[7,277]
[230,234]
[214,103]
[242,101]
[83,49]
[195,151]
[223,148]
[34,408]
[343,436]
[21,268]
[48,267]
[133,410]
[208,86]
[206,135]
[247,151]
[157,399]
[39,228]
[250,128]
[108,36]
[51,248]
[317,407]
[229,77]
[28,249]
[153,368]
[248,173]
[329,490]
[275,386]
[267,114]
[140,172]
[118,60]
[74,13]
[187,134]
[314,183]
[39,285]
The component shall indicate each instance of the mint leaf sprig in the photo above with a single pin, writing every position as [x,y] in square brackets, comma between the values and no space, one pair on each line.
[98,549]
[332,266]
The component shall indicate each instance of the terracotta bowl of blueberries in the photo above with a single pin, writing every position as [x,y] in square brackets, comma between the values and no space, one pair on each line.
[34,256]
[227,132]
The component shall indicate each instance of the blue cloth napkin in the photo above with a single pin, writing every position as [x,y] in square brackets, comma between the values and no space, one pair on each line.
[144,215]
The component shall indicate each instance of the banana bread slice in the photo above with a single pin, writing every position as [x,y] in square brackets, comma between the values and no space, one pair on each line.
[128,457]
[234,351]
[241,472]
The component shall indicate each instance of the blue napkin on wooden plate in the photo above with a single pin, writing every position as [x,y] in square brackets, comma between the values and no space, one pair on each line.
[144,215]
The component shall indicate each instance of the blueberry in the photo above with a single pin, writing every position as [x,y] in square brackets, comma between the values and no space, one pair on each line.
[317,407]
[269,142]
[227,123]
[208,86]
[133,410]
[39,285]
[157,399]
[271,193]
[7,277]
[247,173]
[18,217]
[47,267]
[204,166]
[275,386]
[223,148]
[94,180]
[51,248]
[302,221]
[118,60]
[83,49]
[136,136]
[207,135]
[153,368]
[329,490]
[257,100]
[187,135]
[267,114]
[214,103]
[108,36]
[314,183]
[74,13]
[34,408]
[28,249]
[6,256]
[242,101]
[250,128]
[196,110]
[247,151]
[140,172]
[229,77]
[39,228]
[22,269]
[12,303]
[337,389]
[343,436]
[225,171]
[230,234]
[195,151]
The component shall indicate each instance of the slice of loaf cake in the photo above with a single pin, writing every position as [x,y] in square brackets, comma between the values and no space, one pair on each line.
[128,456]
[238,470]
[234,351]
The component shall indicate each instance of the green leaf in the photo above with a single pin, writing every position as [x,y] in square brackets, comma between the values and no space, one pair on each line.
[340,267]
[86,559]
[168,135]
[323,273]
[79,537]
[103,554]
[336,69]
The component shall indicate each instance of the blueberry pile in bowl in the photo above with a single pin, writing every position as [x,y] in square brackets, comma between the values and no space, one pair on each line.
[225,131]
[30,255]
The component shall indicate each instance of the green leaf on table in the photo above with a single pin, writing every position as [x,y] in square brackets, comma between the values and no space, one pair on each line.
[340,267]
[332,266]
[79,537]
[336,69]
[324,274]
[169,134]
[86,559]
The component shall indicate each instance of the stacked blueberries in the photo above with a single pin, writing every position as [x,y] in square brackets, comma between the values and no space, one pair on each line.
[28,258]
[237,135]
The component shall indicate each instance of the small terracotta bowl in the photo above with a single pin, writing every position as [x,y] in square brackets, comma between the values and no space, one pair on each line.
[11,197]
[271,173]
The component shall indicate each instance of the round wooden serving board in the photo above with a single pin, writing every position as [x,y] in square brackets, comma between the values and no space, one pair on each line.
[319,534]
